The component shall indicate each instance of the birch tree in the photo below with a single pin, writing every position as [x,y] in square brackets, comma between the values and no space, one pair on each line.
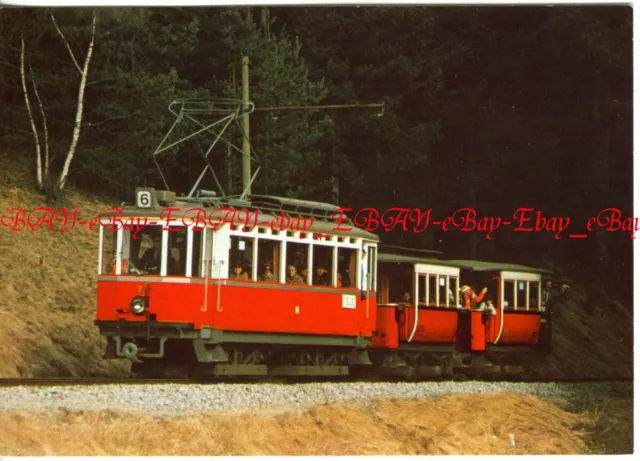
[42,143]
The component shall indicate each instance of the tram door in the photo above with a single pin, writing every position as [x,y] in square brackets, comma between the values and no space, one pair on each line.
[368,264]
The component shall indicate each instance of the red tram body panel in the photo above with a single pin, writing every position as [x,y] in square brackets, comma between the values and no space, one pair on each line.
[433,326]
[237,306]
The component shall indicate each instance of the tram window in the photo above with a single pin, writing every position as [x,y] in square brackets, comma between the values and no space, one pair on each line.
[146,250]
[347,267]
[383,289]
[442,291]
[522,294]
[453,291]
[108,252]
[433,290]
[298,257]
[322,265]
[177,252]
[534,288]
[241,256]
[399,284]
[422,289]
[129,245]
[371,269]
[207,237]
[268,255]
[508,294]
[196,252]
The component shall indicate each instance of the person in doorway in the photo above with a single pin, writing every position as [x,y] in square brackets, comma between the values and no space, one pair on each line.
[548,293]
[470,299]
[488,306]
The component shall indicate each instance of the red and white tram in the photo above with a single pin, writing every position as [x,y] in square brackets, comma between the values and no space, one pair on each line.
[425,327]
[209,304]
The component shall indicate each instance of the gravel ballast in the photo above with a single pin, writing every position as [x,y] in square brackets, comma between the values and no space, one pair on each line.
[188,399]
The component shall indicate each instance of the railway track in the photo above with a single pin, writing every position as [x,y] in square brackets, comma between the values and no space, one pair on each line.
[61,381]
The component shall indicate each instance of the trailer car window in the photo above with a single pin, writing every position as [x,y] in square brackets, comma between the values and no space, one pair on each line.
[432,290]
[522,293]
[534,298]
[508,295]
[422,289]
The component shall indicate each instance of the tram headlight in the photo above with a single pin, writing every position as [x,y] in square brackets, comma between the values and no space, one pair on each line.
[138,305]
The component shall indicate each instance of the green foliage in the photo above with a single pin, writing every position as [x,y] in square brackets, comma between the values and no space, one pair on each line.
[287,142]
[494,108]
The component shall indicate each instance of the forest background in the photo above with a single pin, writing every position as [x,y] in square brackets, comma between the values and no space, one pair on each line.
[492,108]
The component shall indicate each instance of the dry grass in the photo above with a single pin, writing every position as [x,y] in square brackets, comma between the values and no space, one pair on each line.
[451,425]
[46,324]
[590,341]
[613,430]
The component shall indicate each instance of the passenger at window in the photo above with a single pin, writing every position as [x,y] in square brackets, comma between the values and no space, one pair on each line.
[175,265]
[339,282]
[322,276]
[150,261]
[268,275]
[305,275]
[488,306]
[111,267]
[470,298]
[239,273]
[294,277]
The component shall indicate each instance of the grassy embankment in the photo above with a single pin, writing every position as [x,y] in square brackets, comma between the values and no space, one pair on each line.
[448,425]
[46,316]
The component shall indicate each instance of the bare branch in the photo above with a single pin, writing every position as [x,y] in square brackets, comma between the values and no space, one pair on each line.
[78,123]
[110,119]
[8,64]
[33,125]
[44,125]
[64,39]
[43,56]
[95,82]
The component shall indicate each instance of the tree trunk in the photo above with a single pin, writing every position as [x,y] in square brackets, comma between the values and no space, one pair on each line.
[83,82]
[31,121]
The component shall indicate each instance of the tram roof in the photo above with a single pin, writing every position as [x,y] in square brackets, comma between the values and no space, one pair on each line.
[486,266]
[270,207]
[409,259]
[464,264]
